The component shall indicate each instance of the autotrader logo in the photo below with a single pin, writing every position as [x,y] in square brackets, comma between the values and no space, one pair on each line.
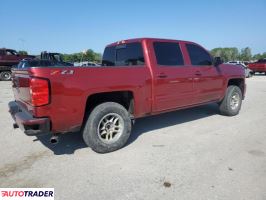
[27,193]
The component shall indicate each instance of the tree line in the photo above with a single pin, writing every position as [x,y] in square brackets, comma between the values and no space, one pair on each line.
[227,54]
[88,55]
[233,54]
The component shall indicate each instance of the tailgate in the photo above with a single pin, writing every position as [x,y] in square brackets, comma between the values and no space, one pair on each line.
[21,86]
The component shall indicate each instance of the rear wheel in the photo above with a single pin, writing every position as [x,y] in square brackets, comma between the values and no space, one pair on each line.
[232,101]
[5,75]
[108,127]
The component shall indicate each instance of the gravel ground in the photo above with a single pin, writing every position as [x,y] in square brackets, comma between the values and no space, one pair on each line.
[189,154]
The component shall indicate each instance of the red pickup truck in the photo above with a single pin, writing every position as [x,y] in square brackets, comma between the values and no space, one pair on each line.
[137,78]
[259,66]
[8,58]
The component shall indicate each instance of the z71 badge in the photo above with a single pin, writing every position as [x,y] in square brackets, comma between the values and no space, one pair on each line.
[63,72]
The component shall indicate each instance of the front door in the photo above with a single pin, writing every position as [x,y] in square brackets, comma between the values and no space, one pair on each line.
[208,79]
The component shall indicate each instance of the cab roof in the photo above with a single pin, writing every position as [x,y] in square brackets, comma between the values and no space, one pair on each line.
[147,39]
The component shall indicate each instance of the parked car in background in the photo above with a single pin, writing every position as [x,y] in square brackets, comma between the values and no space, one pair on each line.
[234,62]
[9,58]
[138,78]
[46,59]
[86,64]
[248,72]
[259,66]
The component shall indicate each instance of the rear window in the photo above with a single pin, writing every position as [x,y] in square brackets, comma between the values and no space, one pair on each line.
[123,55]
[109,56]
[11,52]
[168,53]
[198,55]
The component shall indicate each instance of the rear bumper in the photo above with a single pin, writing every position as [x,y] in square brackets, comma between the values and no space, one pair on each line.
[26,122]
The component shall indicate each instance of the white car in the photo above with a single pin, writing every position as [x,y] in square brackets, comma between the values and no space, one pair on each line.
[86,64]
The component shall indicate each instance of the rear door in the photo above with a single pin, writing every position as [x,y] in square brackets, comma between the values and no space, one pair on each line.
[208,79]
[173,84]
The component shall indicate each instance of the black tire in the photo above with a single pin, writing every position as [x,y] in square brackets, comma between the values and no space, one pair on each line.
[5,76]
[225,105]
[91,134]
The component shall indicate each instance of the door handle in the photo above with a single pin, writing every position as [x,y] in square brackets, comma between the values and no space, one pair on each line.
[162,75]
[198,73]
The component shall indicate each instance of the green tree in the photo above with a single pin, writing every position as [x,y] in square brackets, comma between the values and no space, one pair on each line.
[88,55]
[245,54]
[22,52]
[235,53]
[227,54]
[259,56]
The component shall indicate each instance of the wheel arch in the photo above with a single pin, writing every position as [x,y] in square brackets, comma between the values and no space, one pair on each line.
[124,98]
[240,82]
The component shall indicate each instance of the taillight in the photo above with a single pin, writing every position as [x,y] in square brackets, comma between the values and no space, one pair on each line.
[39,90]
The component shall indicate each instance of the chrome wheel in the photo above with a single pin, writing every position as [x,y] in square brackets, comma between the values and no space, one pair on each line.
[234,101]
[110,128]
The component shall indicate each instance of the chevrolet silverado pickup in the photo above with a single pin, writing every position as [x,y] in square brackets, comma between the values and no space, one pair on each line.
[137,78]
[259,66]
[8,58]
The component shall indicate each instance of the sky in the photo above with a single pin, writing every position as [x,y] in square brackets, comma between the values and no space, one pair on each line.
[69,26]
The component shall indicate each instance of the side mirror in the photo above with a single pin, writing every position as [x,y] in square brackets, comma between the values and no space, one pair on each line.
[217,61]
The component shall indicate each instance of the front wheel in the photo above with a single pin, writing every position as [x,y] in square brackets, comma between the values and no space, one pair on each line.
[5,76]
[108,127]
[232,101]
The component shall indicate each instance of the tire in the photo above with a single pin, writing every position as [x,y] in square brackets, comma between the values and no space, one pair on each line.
[5,76]
[231,104]
[108,127]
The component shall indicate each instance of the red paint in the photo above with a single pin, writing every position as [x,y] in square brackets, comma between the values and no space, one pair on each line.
[8,59]
[259,66]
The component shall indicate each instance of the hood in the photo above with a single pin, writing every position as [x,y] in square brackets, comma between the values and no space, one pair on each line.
[232,70]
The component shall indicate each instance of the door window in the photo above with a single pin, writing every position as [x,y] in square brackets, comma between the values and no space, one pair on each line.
[168,54]
[123,55]
[198,55]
